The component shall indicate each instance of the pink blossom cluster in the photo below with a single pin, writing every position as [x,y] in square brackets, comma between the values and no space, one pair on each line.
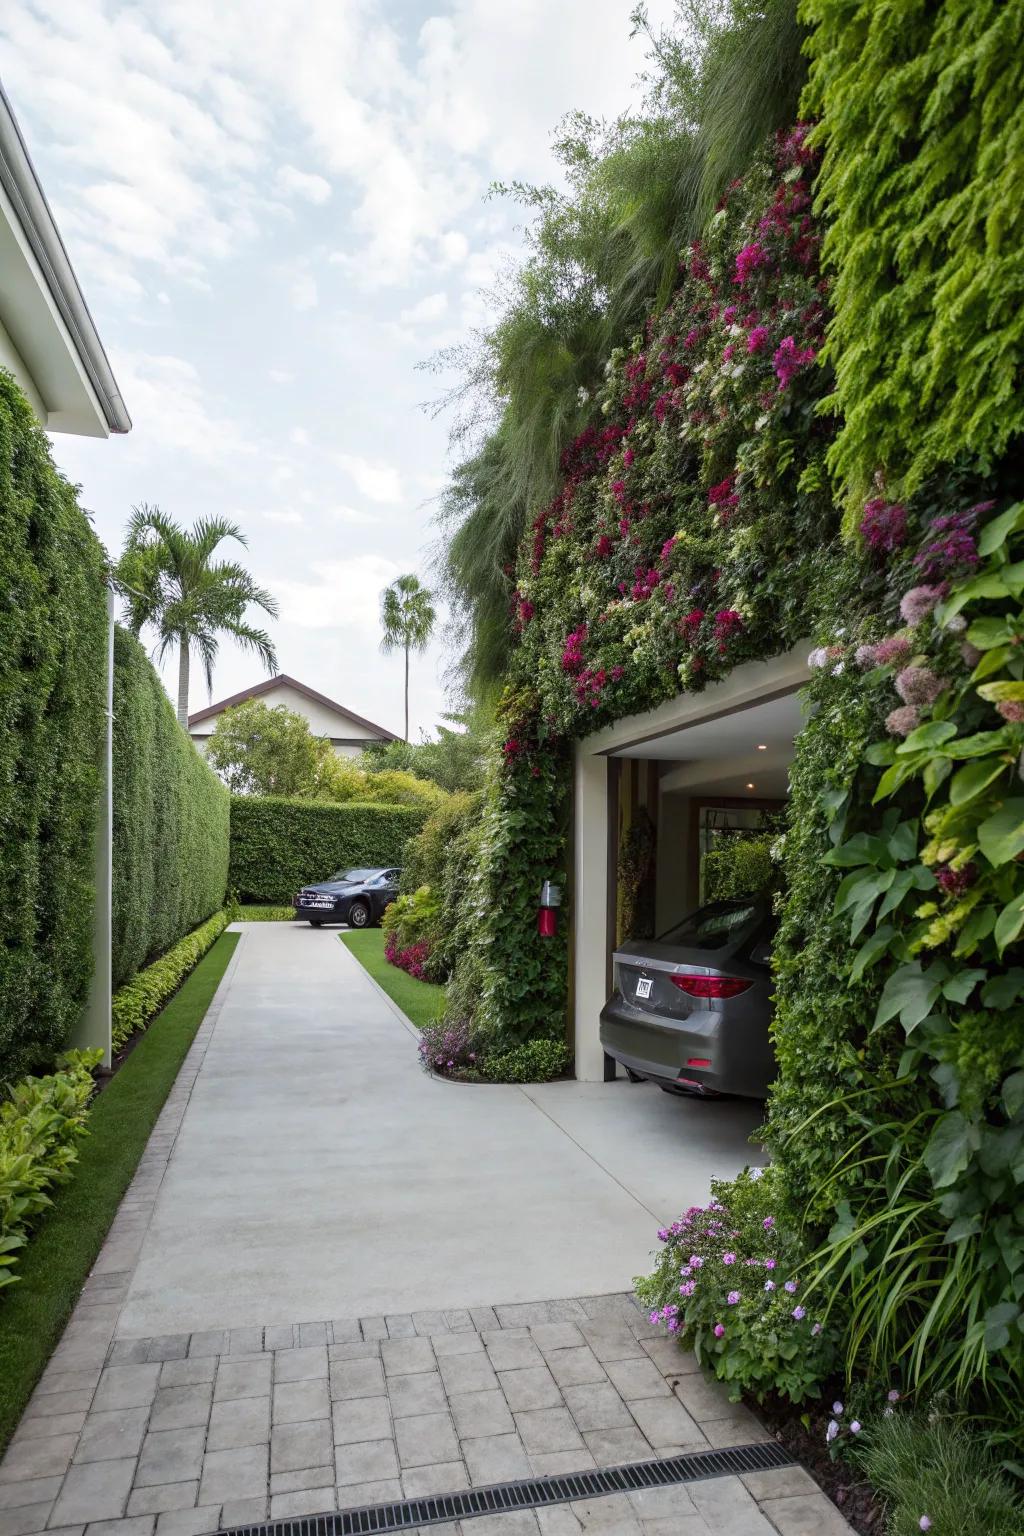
[789,359]
[884,525]
[572,651]
[413,958]
[748,260]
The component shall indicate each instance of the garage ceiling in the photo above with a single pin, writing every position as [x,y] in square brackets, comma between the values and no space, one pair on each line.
[773,724]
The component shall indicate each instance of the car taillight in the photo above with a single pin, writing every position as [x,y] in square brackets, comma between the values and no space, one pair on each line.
[711,986]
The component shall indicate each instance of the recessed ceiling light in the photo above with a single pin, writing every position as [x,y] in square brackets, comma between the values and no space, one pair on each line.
[762,746]
[750,786]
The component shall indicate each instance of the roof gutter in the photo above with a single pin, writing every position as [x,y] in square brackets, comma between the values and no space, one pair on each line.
[21,184]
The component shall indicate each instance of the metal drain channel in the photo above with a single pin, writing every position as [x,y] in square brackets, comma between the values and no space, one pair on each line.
[532,1493]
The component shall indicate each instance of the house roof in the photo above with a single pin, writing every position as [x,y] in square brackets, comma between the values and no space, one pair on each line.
[43,308]
[283,680]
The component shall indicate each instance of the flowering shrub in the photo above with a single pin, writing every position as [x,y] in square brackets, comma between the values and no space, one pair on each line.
[728,1284]
[450,1050]
[410,924]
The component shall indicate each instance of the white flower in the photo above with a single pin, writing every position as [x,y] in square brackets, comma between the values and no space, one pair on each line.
[837,669]
[818,657]
[756,1173]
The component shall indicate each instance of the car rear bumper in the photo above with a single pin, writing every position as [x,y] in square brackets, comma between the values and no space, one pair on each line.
[662,1049]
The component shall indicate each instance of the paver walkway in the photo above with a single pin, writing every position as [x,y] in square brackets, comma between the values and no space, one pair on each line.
[290,1313]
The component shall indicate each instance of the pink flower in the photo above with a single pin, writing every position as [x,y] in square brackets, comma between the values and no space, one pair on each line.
[627,457]
[893,648]
[757,338]
[918,603]
[719,1330]
[1011,709]
[924,1524]
[790,1286]
[768,1223]
[884,525]
[769,1263]
[799,1314]
[900,722]
[919,685]
[728,1258]
[748,260]
[789,359]
[732,1298]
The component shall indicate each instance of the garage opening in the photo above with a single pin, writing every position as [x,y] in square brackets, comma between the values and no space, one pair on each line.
[693,797]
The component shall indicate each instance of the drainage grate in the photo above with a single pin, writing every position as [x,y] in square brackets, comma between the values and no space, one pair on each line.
[533,1493]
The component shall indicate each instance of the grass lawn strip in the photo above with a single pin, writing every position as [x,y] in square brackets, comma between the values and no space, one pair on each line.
[420,1001]
[56,1263]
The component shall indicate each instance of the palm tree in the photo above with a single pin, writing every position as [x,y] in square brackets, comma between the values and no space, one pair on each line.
[169,579]
[407,619]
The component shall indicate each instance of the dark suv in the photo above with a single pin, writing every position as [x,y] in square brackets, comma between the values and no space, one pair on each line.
[353,896]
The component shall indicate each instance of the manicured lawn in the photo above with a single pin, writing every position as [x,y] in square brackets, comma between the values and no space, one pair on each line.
[59,1256]
[420,1001]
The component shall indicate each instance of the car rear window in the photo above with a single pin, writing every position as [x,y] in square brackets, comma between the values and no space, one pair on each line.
[712,927]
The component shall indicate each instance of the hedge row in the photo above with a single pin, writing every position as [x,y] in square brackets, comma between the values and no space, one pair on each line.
[278,845]
[143,997]
[52,643]
[171,816]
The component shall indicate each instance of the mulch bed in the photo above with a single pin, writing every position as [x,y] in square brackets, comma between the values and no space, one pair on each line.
[858,1501]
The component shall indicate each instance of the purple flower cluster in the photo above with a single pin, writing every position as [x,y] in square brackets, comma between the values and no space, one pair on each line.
[954,547]
[884,525]
[448,1049]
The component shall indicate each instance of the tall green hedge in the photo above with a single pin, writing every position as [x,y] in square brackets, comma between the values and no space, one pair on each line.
[52,642]
[171,819]
[278,844]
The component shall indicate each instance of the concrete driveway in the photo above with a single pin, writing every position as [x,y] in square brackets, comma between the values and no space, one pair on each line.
[318,1172]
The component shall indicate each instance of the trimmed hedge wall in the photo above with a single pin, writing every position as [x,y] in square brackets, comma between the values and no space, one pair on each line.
[171,819]
[279,844]
[52,645]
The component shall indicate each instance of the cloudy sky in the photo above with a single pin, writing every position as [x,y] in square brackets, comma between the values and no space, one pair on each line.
[276,208]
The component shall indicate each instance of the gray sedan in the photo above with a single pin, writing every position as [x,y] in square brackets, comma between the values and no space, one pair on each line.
[691,1009]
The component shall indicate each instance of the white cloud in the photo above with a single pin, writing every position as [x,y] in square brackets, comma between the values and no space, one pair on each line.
[377,481]
[352,515]
[299,436]
[302,292]
[280,376]
[285,515]
[304,184]
[172,412]
[431,307]
[342,594]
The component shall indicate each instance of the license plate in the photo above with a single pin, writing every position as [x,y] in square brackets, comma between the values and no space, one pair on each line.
[319,904]
[643,986]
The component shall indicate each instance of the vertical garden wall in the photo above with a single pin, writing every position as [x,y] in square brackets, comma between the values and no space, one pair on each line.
[52,659]
[171,819]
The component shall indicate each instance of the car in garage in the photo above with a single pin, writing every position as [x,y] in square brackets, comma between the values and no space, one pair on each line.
[691,1009]
[353,896]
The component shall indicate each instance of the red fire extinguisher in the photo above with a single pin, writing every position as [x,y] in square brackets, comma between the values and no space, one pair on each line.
[547,912]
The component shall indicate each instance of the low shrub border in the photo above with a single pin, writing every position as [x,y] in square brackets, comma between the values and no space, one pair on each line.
[40,1126]
[137,1002]
[420,1001]
[56,1263]
[255,912]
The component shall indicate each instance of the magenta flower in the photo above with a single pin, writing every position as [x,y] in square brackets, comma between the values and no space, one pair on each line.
[769,1263]
[768,1223]
[748,260]
[732,1298]
[728,1258]
[789,359]
[719,1330]
[884,525]
[757,338]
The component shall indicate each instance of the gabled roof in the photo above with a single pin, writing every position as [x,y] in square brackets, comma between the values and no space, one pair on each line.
[283,680]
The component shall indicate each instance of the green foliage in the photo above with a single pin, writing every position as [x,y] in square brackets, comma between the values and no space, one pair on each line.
[407,619]
[147,992]
[340,780]
[171,583]
[410,924]
[741,1305]
[171,817]
[455,761]
[427,854]
[259,750]
[739,864]
[636,875]
[52,661]
[929,1465]
[508,979]
[535,1062]
[921,122]
[252,913]
[41,1122]
[278,845]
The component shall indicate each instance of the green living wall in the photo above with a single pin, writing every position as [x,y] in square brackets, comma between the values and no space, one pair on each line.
[52,661]
[277,844]
[171,819]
